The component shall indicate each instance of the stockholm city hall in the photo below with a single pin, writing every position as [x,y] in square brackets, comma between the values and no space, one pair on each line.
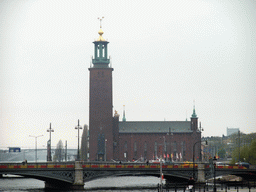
[111,138]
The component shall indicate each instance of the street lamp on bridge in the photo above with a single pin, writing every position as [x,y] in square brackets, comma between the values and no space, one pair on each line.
[78,153]
[105,150]
[214,179]
[49,153]
[194,155]
[200,129]
[36,145]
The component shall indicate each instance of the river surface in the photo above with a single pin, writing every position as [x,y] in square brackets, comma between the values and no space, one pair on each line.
[110,184]
[124,184]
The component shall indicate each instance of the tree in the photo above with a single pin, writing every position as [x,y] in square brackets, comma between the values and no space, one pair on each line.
[247,153]
[222,153]
[84,145]
[252,153]
[58,152]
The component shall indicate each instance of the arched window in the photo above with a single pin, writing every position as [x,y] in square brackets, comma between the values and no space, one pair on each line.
[175,149]
[155,150]
[184,150]
[98,50]
[125,146]
[103,51]
[145,150]
[135,149]
[125,150]
[175,146]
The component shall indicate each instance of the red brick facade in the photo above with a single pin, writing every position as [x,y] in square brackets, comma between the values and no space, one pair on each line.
[147,146]
[100,116]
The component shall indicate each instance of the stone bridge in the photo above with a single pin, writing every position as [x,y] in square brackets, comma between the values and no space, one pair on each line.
[73,175]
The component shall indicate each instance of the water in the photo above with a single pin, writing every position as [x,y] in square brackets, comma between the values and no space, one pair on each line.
[110,184]
[19,184]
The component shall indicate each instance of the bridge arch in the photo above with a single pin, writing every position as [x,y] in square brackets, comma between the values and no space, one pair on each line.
[58,179]
[90,175]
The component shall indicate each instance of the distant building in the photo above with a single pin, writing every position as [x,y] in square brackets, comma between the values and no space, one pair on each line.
[231,131]
[132,140]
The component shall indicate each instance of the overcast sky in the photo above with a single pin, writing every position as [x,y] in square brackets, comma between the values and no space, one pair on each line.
[165,55]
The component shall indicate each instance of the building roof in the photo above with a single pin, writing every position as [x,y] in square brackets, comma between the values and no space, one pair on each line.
[154,127]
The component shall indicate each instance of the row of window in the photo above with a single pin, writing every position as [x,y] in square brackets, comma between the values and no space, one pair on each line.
[160,149]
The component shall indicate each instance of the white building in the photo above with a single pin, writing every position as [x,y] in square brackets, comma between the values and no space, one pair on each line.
[231,131]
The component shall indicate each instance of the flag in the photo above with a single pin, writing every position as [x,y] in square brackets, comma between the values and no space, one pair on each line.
[164,156]
[180,156]
[177,156]
[168,156]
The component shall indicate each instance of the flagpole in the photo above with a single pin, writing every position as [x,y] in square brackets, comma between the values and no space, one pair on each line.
[161,173]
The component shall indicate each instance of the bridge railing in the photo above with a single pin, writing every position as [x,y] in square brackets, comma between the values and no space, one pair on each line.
[103,164]
[97,164]
[37,165]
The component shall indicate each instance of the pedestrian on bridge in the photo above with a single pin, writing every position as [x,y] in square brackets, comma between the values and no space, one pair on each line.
[191,183]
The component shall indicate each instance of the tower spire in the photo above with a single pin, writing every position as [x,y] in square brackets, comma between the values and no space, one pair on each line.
[101,59]
[124,119]
[194,112]
[194,119]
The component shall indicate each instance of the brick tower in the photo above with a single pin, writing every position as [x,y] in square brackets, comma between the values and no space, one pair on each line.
[194,120]
[100,112]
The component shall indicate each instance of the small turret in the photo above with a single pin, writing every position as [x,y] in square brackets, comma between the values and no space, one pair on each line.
[124,119]
[194,113]
[194,120]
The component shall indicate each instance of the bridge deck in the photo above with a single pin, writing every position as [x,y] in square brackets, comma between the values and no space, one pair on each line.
[109,165]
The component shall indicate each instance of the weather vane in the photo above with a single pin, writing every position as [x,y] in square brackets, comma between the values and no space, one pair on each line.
[100,21]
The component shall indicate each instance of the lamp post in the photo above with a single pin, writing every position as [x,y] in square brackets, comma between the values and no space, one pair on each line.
[161,174]
[161,164]
[78,154]
[239,145]
[214,180]
[164,148]
[201,129]
[106,149]
[49,153]
[170,133]
[36,145]
[194,155]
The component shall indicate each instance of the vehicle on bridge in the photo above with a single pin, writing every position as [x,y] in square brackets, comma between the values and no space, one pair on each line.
[244,164]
